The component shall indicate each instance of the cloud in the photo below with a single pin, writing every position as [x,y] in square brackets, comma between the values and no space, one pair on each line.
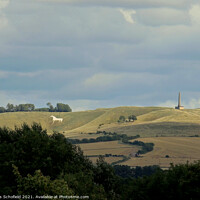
[119,84]
[3,74]
[194,13]
[4,3]
[14,98]
[7,74]
[127,14]
[193,103]
[90,51]
[3,19]
[102,80]
[162,17]
[179,4]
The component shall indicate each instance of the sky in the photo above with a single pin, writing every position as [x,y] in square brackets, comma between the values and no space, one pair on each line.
[100,53]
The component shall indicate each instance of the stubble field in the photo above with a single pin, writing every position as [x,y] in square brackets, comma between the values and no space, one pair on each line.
[179,150]
[102,148]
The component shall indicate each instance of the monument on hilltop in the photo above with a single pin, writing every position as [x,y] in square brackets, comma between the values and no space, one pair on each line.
[179,103]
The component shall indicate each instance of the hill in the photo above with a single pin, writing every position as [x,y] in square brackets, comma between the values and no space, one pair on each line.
[152,121]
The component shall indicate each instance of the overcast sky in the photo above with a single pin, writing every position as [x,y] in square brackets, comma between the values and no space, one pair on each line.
[100,53]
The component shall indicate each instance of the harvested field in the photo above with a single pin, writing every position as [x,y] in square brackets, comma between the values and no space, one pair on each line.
[179,150]
[113,147]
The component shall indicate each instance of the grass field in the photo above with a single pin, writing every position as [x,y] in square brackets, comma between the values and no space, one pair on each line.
[162,122]
[113,147]
[156,129]
[102,148]
[71,120]
[152,121]
[179,149]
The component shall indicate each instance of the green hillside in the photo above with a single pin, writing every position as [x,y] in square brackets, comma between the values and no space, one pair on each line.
[151,121]
[71,120]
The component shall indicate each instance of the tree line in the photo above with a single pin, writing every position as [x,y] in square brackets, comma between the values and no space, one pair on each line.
[35,163]
[146,147]
[108,136]
[125,171]
[60,107]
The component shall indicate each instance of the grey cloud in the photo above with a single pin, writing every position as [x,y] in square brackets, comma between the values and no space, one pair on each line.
[162,17]
[128,3]
[71,27]
[3,19]
[4,3]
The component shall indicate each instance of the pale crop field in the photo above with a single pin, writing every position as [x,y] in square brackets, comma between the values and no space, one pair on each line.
[179,149]
[113,147]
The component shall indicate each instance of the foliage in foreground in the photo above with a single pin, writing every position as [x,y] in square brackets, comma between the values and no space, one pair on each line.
[32,162]
[179,182]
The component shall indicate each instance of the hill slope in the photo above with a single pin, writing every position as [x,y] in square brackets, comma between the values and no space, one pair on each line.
[151,121]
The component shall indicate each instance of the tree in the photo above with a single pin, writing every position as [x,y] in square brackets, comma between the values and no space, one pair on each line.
[38,184]
[25,107]
[10,107]
[44,162]
[63,108]
[121,119]
[2,110]
[105,175]
[51,108]
[132,118]
[179,182]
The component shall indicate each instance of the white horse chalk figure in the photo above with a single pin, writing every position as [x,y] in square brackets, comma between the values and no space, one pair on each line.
[56,119]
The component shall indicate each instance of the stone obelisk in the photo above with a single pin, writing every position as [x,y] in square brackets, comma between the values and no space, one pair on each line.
[179,99]
[179,103]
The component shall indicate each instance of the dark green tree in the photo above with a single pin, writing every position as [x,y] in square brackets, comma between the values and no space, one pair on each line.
[132,117]
[38,184]
[63,108]
[10,107]
[121,119]
[51,108]
[25,107]
[105,175]
[179,182]
[2,110]
[44,161]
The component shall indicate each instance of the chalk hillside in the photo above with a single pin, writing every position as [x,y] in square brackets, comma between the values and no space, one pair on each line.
[151,121]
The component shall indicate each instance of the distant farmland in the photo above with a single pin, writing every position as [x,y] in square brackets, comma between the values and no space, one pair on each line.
[102,148]
[167,128]
[167,150]
[179,150]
